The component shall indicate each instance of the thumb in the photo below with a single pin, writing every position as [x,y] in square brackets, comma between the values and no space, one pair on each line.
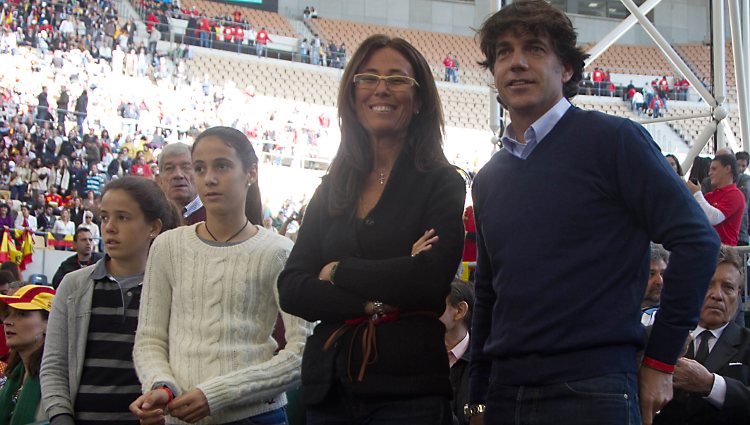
[148,402]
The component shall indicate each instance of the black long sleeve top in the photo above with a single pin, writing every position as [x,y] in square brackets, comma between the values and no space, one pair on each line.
[375,263]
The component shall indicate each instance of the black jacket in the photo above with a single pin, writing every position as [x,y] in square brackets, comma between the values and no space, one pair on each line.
[375,264]
[729,358]
[71,264]
[460,383]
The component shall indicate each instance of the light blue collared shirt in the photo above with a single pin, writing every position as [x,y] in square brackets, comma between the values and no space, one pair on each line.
[192,207]
[536,132]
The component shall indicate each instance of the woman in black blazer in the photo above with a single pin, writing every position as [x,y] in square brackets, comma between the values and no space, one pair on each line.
[380,243]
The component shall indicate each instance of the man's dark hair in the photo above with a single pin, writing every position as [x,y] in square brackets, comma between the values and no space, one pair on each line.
[462,291]
[539,18]
[728,160]
[742,155]
[79,231]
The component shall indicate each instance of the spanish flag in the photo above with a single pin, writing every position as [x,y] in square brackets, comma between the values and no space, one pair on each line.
[27,250]
[8,250]
[59,240]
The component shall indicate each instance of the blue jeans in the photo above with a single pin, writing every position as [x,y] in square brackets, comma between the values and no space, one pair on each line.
[604,400]
[349,410]
[274,417]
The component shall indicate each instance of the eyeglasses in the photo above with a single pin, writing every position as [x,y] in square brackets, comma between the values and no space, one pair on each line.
[393,82]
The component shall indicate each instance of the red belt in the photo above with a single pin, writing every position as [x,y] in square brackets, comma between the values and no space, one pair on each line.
[369,341]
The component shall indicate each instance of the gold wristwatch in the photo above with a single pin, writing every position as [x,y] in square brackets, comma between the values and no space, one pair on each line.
[473,409]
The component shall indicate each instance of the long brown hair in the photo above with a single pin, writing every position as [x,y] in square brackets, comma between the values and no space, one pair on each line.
[245,152]
[354,158]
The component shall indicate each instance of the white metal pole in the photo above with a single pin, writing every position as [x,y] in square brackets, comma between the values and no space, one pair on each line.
[669,52]
[698,144]
[676,118]
[719,51]
[618,32]
[718,54]
[740,71]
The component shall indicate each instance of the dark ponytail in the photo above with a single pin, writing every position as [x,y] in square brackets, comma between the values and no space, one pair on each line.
[240,143]
[150,199]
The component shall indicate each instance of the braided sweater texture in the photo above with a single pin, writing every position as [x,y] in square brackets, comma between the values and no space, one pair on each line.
[206,318]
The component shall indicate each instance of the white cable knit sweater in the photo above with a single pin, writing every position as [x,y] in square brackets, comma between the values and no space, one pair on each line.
[206,318]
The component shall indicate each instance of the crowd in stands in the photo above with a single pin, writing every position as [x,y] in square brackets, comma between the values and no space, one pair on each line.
[309,13]
[121,336]
[651,99]
[450,62]
[69,127]
[316,52]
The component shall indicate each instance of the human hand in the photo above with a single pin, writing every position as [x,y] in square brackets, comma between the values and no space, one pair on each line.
[655,392]
[425,242]
[693,187]
[190,407]
[325,272]
[477,419]
[691,376]
[150,407]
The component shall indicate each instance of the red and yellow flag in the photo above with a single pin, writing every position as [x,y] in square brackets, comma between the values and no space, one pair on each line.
[8,250]
[59,240]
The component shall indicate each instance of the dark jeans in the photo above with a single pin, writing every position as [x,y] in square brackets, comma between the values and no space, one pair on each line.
[342,408]
[18,192]
[604,400]
[274,417]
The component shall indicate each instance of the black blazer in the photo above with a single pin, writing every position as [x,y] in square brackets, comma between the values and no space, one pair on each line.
[729,358]
[459,376]
[375,263]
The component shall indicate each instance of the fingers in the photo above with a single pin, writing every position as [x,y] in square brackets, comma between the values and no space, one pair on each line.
[154,417]
[188,412]
[647,412]
[424,243]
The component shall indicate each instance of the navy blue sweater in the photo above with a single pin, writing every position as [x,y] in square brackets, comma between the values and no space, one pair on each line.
[563,255]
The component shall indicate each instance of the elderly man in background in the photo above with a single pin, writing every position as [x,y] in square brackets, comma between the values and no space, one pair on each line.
[177,180]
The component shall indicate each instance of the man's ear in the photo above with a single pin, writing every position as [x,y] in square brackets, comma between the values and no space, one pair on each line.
[461,310]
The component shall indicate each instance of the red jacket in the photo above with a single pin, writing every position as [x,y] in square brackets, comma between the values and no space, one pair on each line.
[150,21]
[262,37]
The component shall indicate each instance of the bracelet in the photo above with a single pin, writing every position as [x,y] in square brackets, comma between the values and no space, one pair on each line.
[657,365]
[170,394]
[471,410]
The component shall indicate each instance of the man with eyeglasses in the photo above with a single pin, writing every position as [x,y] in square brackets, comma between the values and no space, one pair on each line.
[83,242]
[177,181]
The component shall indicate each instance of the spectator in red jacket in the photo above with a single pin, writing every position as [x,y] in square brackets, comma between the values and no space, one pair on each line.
[204,26]
[448,63]
[598,78]
[151,20]
[260,41]
[470,240]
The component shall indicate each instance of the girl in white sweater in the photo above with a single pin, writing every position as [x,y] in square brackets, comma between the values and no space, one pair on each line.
[203,350]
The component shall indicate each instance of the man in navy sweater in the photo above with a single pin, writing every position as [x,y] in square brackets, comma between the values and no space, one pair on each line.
[564,214]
